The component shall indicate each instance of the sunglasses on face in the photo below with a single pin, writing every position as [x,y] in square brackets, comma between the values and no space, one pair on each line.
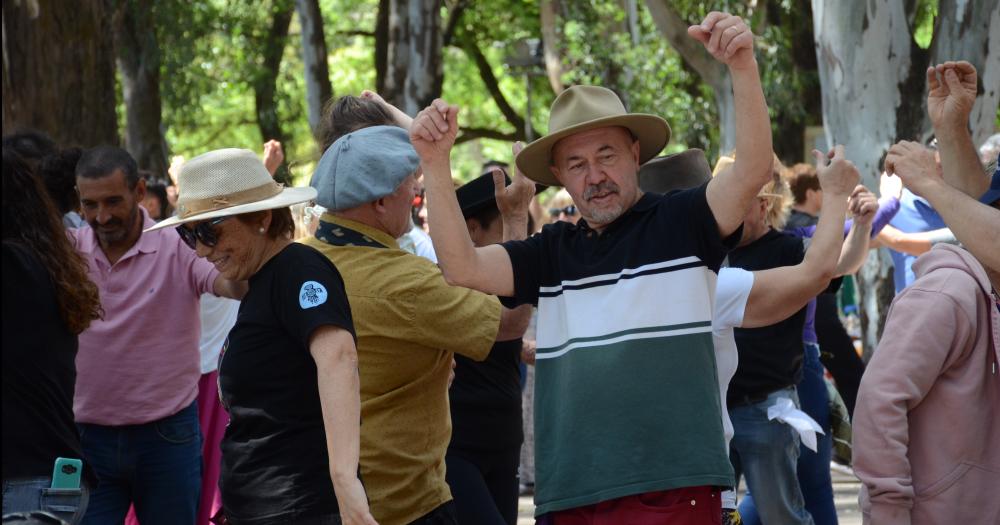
[568,210]
[204,232]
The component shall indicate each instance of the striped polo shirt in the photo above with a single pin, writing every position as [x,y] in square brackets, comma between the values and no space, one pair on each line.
[626,393]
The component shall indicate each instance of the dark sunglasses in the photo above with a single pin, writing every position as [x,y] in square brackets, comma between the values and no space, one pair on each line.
[204,232]
[568,210]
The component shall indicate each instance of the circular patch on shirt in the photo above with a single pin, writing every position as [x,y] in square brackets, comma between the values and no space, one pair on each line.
[311,294]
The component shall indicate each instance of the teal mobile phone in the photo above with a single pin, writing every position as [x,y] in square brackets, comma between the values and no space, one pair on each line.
[66,473]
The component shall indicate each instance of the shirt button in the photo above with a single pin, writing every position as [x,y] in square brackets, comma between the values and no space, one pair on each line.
[692,503]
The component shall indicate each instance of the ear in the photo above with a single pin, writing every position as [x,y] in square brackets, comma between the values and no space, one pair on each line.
[140,190]
[265,220]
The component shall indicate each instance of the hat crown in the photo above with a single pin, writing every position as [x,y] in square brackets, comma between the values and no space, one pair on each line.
[579,104]
[220,173]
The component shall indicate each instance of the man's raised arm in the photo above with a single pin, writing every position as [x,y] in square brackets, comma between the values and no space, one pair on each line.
[950,97]
[730,41]
[487,269]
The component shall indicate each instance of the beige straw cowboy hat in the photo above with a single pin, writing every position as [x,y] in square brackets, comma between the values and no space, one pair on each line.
[581,108]
[229,182]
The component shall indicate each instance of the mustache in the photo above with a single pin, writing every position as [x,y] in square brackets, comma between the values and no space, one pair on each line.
[111,223]
[604,187]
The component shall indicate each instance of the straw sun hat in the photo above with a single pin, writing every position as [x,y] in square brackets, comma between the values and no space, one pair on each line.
[582,108]
[229,182]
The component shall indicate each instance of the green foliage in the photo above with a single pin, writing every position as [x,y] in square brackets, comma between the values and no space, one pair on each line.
[923,31]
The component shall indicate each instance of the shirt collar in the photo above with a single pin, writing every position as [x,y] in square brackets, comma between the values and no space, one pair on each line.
[375,234]
[148,242]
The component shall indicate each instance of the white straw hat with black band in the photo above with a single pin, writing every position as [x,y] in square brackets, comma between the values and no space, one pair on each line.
[228,182]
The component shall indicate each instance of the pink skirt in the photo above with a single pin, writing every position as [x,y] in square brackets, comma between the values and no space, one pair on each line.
[213,419]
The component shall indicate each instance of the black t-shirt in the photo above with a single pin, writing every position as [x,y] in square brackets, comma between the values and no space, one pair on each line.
[39,371]
[274,456]
[485,400]
[770,356]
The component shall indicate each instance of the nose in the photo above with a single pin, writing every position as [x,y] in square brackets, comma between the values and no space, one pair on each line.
[595,174]
[103,214]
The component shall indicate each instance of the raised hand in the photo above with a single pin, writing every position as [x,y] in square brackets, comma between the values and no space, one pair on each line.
[513,201]
[402,119]
[863,205]
[915,164]
[433,132]
[273,156]
[890,186]
[836,174]
[727,38]
[951,94]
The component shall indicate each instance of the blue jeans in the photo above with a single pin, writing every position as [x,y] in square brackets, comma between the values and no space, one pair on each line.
[155,466]
[766,454]
[33,494]
[814,467]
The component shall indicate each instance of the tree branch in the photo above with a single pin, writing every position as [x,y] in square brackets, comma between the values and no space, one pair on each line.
[486,133]
[454,16]
[674,28]
[493,86]
[357,32]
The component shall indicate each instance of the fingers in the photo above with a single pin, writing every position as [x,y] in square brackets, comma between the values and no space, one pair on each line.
[708,24]
[821,159]
[837,152]
[952,80]
[499,183]
[698,33]
[858,190]
[723,32]
[742,41]
[932,80]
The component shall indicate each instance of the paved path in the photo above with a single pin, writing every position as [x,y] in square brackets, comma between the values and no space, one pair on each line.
[845,493]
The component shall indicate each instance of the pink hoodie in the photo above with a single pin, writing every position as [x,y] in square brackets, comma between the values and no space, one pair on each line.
[927,421]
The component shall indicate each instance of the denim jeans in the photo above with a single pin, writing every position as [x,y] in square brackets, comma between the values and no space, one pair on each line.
[813,467]
[766,454]
[32,494]
[156,466]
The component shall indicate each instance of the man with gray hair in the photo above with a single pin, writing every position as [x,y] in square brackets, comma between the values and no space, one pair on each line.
[409,322]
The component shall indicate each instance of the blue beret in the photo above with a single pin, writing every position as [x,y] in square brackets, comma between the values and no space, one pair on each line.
[363,166]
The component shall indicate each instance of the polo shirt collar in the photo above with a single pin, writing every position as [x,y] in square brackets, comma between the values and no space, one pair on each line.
[148,242]
[375,234]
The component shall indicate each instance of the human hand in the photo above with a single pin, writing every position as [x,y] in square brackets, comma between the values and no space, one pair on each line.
[951,95]
[837,175]
[915,164]
[369,94]
[890,186]
[353,503]
[528,351]
[727,38]
[402,119]
[433,132]
[863,205]
[273,156]
[513,201]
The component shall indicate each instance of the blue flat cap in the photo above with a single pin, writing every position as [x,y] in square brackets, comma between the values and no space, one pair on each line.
[363,166]
[993,193]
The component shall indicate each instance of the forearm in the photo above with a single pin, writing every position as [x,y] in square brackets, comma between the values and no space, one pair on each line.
[455,250]
[340,398]
[901,242]
[753,130]
[825,248]
[855,249]
[960,161]
[975,225]
[514,322]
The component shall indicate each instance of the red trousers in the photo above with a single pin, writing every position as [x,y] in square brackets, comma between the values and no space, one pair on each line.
[684,506]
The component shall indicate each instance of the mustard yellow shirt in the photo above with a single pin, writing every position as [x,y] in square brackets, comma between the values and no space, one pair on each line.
[409,322]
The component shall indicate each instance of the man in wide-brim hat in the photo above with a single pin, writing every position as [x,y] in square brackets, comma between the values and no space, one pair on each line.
[627,412]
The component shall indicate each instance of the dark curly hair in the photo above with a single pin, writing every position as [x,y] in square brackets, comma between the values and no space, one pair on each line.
[31,220]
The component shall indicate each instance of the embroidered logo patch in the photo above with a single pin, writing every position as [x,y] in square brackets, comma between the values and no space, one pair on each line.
[311,294]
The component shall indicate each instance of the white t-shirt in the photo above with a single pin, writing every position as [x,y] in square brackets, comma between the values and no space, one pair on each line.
[218,315]
[417,242]
[732,291]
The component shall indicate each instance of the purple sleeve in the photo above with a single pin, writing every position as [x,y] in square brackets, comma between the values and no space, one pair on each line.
[887,208]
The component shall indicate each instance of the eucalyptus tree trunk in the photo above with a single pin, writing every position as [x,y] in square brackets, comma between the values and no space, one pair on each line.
[314,58]
[873,78]
[413,67]
[712,72]
[58,70]
[139,65]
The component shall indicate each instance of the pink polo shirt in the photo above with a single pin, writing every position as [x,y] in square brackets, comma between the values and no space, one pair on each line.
[141,362]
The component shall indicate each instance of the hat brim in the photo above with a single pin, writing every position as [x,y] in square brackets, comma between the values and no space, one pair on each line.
[287,197]
[652,132]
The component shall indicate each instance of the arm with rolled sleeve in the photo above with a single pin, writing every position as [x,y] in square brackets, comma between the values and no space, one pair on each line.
[451,318]
[923,327]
